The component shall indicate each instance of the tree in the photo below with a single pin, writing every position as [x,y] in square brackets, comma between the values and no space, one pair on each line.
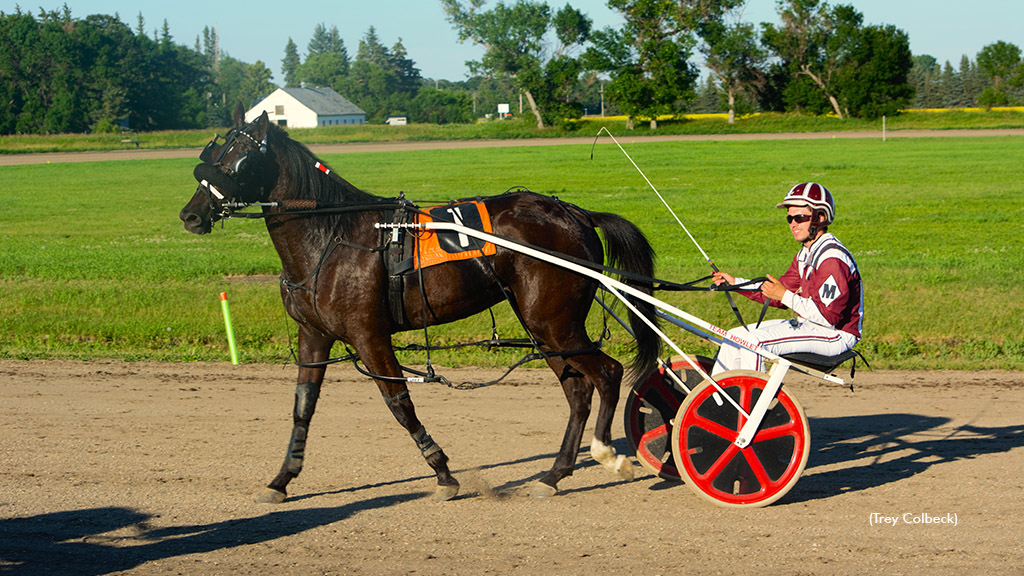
[648,58]
[290,64]
[733,53]
[951,87]
[873,77]
[999,62]
[812,41]
[372,51]
[380,81]
[971,79]
[327,62]
[707,97]
[926,78]
[513,40]
[326,41]
[441,106]
[409,78]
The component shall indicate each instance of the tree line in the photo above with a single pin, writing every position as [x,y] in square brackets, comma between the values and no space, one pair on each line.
[59,73]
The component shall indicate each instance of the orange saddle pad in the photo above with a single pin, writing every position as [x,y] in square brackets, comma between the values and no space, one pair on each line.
[437,246]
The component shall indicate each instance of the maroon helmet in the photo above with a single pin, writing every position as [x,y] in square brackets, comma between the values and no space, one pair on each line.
[814,196]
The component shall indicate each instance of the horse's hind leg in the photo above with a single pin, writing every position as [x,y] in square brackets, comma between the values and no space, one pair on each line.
[312,348]
[579,376]
[579,393]
[606,374]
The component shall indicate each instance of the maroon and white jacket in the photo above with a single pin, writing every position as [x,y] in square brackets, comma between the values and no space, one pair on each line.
[824,286]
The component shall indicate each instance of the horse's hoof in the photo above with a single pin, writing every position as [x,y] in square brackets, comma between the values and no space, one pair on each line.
[624,468]
[445,492]
[542,490]
[271,496]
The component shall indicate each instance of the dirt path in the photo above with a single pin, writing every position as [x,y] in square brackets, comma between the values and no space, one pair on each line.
[140,468]
[356,147]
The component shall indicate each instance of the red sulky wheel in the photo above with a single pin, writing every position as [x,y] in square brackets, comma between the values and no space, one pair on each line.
[718,470]
[650,407]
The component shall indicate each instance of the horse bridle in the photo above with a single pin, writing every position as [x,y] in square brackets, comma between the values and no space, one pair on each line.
[227,185]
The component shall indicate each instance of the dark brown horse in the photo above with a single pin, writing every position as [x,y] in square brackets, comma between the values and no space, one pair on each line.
[335,284]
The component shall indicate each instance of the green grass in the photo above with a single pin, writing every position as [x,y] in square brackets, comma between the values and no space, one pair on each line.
[94,262]
[524,127]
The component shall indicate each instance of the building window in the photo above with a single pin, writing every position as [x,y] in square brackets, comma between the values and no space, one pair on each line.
[279,110]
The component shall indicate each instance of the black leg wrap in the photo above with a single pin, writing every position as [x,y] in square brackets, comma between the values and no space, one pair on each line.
[425,443]
[296,449]
[306,395]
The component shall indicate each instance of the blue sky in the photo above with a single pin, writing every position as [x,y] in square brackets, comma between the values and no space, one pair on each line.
[259,29]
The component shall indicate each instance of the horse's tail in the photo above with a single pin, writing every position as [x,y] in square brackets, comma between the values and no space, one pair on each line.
[628,249]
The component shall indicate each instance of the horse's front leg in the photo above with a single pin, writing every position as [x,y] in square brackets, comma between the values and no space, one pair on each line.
[313,348]
[380,360]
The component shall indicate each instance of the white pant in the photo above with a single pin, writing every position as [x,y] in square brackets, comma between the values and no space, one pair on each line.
[780,337]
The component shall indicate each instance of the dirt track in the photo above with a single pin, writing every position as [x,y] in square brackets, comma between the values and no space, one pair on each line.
[355,147]
[152,469]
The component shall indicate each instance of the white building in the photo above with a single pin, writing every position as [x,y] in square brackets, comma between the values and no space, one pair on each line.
[307,108]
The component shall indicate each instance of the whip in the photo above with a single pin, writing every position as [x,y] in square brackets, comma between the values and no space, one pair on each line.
[660,197]
[728,296]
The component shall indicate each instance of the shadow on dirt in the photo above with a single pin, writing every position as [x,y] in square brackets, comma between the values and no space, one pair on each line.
[104,540]
[863,452]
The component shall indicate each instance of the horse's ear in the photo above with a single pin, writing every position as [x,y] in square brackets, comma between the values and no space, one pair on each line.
[261,126]
[239,115]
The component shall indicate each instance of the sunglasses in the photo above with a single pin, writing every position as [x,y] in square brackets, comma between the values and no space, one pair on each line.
[798,218]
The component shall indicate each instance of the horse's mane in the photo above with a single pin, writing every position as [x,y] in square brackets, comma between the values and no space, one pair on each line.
[309,183]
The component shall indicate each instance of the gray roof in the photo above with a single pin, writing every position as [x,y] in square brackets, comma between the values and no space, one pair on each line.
[324,101]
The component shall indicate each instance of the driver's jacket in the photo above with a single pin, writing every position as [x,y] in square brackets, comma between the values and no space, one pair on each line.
[824,286]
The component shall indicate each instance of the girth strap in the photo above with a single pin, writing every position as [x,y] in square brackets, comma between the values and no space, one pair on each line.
[396,264]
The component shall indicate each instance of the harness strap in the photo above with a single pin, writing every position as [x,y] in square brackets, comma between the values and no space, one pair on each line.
[394,264]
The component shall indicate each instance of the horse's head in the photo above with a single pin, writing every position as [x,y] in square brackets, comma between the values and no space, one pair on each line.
[236,171]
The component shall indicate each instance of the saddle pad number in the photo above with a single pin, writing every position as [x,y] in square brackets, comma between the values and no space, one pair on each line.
[436,246]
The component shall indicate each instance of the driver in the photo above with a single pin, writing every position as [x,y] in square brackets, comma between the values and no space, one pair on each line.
[822,287]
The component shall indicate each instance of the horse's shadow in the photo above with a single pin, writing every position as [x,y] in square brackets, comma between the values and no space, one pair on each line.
[79,543]
[861,452]
[867,451]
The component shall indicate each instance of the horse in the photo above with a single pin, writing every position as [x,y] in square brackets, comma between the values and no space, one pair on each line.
[335,285]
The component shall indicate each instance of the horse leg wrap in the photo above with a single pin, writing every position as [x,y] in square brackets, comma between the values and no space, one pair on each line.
[425,443]
[306,395]
[606,455]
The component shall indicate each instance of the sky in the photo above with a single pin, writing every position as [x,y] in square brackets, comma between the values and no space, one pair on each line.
[260,29]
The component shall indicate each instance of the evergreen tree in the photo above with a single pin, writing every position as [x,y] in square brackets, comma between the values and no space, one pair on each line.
[951,88]
[708,97]
[971,81]
[372,51]
[326,41]
[409,78]
[290,64]
[925,78]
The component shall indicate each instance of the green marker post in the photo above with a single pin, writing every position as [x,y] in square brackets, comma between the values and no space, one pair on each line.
[227,325]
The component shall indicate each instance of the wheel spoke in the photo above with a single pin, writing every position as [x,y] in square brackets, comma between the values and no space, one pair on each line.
[788,429]
[719,464]
[759,472]
[653,434]
[714,427]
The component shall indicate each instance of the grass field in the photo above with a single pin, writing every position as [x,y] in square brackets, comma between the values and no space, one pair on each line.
[94,262]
